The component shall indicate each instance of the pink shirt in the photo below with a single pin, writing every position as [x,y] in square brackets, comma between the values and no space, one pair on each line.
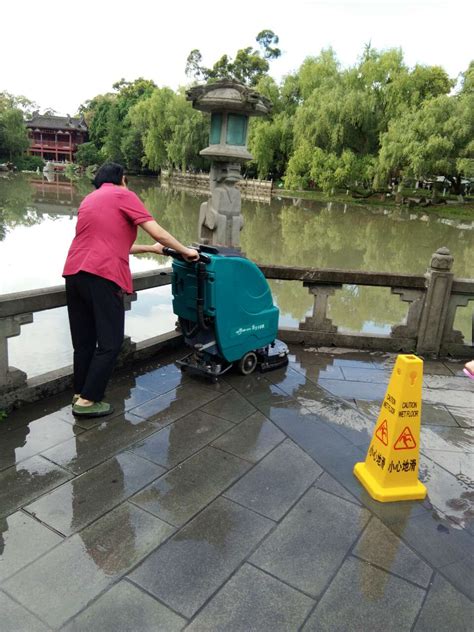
[106,229]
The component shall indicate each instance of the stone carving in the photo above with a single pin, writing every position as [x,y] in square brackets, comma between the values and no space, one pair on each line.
[220,220]
[442,259]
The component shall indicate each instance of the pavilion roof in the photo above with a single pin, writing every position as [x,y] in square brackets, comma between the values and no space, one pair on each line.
[56,122]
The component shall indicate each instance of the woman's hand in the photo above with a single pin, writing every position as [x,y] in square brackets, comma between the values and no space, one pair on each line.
[190,254]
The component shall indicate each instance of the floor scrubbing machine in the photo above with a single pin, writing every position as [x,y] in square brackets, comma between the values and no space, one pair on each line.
[226,313]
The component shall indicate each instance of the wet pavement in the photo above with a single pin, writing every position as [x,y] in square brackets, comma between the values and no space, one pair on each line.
[234,507]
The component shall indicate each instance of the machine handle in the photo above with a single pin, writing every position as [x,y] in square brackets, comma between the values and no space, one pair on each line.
[169,252]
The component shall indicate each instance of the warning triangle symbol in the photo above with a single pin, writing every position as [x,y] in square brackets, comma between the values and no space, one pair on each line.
[382,432]
[406,441]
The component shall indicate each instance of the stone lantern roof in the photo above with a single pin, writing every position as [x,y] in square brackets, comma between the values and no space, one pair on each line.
[227,95]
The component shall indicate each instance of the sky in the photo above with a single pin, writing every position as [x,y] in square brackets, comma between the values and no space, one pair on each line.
[59,53]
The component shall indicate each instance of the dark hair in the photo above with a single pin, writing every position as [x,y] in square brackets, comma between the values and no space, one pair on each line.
[109,172]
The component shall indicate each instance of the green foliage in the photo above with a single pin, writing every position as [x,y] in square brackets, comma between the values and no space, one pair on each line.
[172,133]
[435,139]
[13,134]
[28,163]
[87,154]
[3,415]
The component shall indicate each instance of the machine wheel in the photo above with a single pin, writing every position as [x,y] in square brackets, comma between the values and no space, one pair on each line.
[247,363]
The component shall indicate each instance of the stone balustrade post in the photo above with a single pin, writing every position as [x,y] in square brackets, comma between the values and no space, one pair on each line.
[319,321]
[11,377]
[439,281]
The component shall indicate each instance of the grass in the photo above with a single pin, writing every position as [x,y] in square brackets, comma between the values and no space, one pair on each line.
[462,211]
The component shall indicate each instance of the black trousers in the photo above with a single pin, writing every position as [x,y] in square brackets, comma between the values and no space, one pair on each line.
[96,318]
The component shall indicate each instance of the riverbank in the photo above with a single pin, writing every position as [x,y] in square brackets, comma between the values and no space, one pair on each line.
[452,209]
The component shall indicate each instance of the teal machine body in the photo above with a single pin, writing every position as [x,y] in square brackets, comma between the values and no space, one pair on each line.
[226,313]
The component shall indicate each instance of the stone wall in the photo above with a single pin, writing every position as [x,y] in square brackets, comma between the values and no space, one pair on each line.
[257,190]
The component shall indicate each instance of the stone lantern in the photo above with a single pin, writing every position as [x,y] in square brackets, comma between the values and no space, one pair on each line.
[230,104]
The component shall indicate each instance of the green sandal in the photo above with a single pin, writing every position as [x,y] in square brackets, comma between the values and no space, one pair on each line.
[97,409]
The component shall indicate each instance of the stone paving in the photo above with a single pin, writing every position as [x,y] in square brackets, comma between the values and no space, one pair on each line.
[233,506]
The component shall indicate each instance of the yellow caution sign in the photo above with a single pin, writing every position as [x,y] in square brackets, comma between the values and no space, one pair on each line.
[390,470]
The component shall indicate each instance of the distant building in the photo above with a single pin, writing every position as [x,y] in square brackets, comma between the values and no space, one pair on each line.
[55,138]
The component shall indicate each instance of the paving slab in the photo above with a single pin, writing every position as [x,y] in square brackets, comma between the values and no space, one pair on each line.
[448,439]
[161,379]
[445,609]
[62,582]
[231,406]
[436,415]
[348,421]
[457,463]
[276,482]
[437,540]
[256,388]
[329,484]
[367,597]
[446,382]
[14,618]
[461,575]
[96,446]
[179,440]
[435,367]
[185,490]
[463,416]
[372,375]
[252,439]
[449,398]
[451,494]
[193,564]
[21,484]
[126,608]
[252,600]
[352,390]
[311,542]
[378,545]
[22,540]
[38,411]
[25,442]
[79,502]
[175,403]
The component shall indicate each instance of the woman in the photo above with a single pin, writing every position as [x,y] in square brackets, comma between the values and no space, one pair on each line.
[97,274]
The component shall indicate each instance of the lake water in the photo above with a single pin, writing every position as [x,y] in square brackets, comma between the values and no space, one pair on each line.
[37,222]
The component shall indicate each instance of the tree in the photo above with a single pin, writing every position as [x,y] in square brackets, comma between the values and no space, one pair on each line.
[111,149]
[13,134]
[171,131]
[248,66]
[267,40]
[87,154]
[436,139]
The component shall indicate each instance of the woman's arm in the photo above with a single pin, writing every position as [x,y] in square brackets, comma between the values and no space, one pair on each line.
[165,239]
[138,249]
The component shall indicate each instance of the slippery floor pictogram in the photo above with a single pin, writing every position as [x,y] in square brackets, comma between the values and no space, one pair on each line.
[382,432]
[406,441]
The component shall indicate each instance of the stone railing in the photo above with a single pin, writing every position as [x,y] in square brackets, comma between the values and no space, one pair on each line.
[432,300]
[256,190]
[428,328]
[18,309]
